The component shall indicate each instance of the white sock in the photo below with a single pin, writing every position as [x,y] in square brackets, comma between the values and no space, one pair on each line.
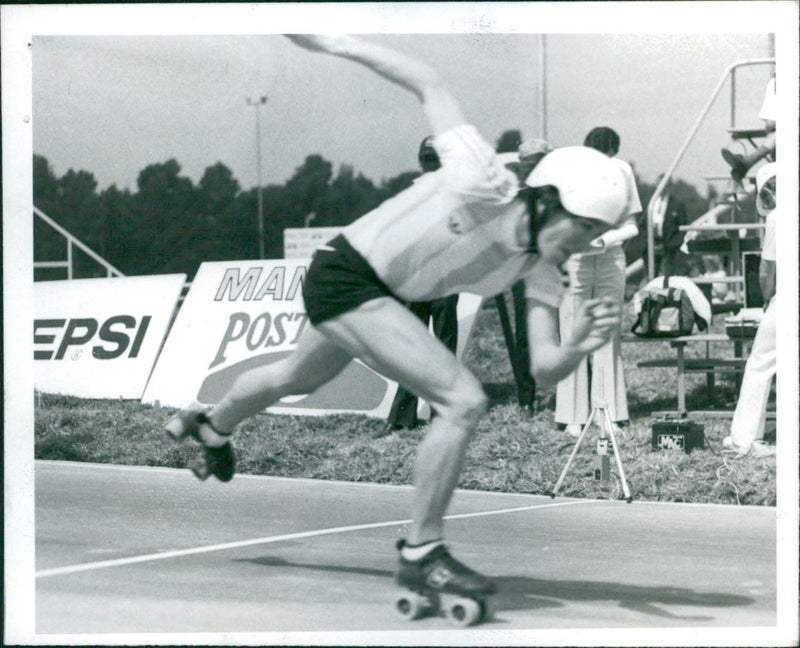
[416,553]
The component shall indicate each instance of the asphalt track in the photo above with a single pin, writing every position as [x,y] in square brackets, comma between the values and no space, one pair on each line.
[151,550]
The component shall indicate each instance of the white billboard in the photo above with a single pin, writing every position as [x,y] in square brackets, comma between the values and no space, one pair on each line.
[244,314]
[99,338]
[301,242]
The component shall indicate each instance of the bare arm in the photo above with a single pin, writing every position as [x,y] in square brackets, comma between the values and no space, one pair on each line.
[551,360]
[441,108]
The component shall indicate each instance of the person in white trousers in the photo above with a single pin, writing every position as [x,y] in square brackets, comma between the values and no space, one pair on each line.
[600,273]
[747,427]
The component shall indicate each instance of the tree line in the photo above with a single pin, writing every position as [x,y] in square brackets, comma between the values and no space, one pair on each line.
[169,224]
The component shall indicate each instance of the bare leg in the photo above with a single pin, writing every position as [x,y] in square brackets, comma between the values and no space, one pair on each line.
[440,459]
[314,362]
[390,340]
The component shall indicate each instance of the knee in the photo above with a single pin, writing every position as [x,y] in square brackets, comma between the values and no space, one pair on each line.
[467,403]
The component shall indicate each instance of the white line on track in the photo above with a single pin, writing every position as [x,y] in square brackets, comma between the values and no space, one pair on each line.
[163,555]
[71,569]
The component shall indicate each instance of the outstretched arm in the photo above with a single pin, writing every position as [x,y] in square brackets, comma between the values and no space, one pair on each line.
[440,106]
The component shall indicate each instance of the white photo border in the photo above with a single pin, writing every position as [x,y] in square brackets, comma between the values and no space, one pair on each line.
[21,23]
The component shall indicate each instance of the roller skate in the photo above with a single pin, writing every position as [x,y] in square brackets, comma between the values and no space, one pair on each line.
[738,164]
[217,461]
[439,584]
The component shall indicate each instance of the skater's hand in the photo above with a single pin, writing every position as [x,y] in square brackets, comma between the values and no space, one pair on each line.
[594,323]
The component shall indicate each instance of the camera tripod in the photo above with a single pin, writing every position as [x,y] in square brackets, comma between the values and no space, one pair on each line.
[599,410]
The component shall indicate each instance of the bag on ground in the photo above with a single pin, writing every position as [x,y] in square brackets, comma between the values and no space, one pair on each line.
[665,311]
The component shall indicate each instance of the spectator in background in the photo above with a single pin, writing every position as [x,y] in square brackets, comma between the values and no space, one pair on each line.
[741,164]
[747,427]
[522,161]
[530,152]
[669,214]
[596,274]
[441,313]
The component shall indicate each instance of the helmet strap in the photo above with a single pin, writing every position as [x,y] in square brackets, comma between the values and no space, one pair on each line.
[543,202]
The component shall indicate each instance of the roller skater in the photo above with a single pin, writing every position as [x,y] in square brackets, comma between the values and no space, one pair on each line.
[472,226]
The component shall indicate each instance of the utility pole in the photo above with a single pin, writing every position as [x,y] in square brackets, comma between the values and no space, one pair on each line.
[257,105]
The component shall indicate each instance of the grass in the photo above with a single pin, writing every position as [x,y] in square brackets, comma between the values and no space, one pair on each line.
[513,450]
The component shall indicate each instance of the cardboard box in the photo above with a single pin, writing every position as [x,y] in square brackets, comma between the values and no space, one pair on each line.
[678,434]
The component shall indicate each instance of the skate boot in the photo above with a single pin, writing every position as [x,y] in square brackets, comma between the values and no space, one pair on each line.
[738,164]
[217,461]
[440,584]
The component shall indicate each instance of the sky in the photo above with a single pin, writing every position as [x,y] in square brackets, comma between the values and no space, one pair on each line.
[112,105]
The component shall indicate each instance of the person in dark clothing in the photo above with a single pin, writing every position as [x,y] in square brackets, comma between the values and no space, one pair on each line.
[669,214]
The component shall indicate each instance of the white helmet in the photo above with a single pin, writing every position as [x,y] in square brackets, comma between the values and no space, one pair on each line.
[589,183]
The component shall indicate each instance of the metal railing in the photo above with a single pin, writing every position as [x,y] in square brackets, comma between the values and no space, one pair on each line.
[729,71]
[72,241]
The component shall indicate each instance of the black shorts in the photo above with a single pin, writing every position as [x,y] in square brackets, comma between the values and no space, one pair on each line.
[339,281]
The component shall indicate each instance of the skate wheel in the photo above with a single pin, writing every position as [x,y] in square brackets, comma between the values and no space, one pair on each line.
[463,612]
[200,469]
[411,606]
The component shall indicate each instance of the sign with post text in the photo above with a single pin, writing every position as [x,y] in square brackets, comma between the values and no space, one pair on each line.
[239,315]
[99,338]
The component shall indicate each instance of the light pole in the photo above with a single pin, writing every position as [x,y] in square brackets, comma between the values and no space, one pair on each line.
[543,86]
[257,104]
